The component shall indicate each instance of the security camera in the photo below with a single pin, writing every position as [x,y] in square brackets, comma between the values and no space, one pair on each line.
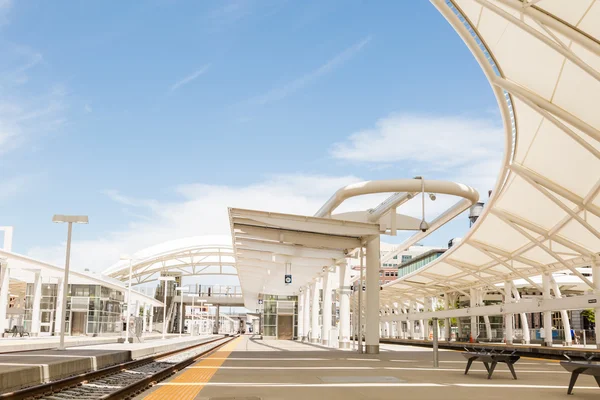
[424,226]
[432,196]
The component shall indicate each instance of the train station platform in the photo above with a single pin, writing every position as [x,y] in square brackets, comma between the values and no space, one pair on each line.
[26,368]
[255,369]
[14,344]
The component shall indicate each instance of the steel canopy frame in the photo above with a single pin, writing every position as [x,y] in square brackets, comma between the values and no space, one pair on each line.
[543,63]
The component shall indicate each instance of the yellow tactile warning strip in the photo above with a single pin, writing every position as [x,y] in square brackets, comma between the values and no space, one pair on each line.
[194,376]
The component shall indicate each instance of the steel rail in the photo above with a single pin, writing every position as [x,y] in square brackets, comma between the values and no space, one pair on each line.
[47,389]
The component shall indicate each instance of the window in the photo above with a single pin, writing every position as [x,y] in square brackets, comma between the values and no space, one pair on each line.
[405,258]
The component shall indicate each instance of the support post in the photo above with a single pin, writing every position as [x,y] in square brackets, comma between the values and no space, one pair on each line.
[145,318]
[4,287]
[473,303]
[564,315]
[411,324]
[307,327]
[58,313]
[344,328]
[151,322]
[547,314]
[314,313]
[326,305]
[508,318]
[524,321]
[301,315]
[596,280]
[361,284]
[436,363]
[37,300]
[372,303]
[447,327]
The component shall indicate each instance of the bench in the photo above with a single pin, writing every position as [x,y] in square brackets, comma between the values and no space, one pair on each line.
[490,359]
[577,368]
[19,330]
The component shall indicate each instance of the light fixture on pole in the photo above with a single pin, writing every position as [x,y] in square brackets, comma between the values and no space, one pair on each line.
[130,259]
[70,219]
[182,290]
[165,279]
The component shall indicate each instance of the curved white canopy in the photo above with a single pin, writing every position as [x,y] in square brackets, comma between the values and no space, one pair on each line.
[192,256]
[542,59]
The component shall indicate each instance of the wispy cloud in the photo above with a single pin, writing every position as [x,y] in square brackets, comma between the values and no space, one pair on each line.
[5,6]
[191,77]
[285,90]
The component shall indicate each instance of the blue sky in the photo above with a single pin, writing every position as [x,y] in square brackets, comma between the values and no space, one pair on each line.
[153,116]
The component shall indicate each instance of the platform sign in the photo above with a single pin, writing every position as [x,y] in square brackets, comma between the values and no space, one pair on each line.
[288,279]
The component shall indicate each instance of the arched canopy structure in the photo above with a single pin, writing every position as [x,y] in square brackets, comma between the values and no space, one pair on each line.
[542,59]
[193,256]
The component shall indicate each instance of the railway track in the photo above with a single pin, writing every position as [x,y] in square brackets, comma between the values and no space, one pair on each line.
[120,381]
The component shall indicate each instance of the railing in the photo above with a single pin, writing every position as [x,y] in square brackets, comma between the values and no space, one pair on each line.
[202,290]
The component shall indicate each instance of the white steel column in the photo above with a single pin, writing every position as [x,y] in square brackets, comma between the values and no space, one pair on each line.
[314,313]
[473,303]
[372,303]
[547,314]
[151,321]
[326,327]
[524,322]
[300,321]
[306,314]
[596,279]
[58,312]
[37,300]
[4,287]
[508,318]
[447,327]
[564,315]
[145,316]
[344,328]
[411,323]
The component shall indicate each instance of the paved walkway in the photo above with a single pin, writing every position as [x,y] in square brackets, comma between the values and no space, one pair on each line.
[268,369]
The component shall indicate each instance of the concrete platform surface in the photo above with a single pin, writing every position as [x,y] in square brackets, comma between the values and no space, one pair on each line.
[268,370]
[11,344]
[19,370]
[155,346]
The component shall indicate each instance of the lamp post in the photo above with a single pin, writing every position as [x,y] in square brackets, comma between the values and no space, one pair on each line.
[70,219]
[181,291]
[165,279]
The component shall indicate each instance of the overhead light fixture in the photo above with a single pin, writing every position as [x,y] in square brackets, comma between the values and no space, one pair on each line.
[432,196]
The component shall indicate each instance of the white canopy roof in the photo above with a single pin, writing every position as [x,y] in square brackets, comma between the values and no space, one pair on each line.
[543,61]
[198,255]
[23,269]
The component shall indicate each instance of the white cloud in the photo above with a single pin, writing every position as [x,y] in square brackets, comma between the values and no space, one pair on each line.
[5,6]
[285,90]
[466,149]
[87,108]
[202,210]
[189,78]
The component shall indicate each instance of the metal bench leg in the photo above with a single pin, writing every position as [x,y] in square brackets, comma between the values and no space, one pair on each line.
[492,368]
[469,363]
[574,377]
[487,367]
[512,370]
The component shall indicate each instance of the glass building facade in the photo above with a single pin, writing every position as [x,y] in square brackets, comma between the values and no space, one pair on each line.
[91,309]
[418,262]
[275,306]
